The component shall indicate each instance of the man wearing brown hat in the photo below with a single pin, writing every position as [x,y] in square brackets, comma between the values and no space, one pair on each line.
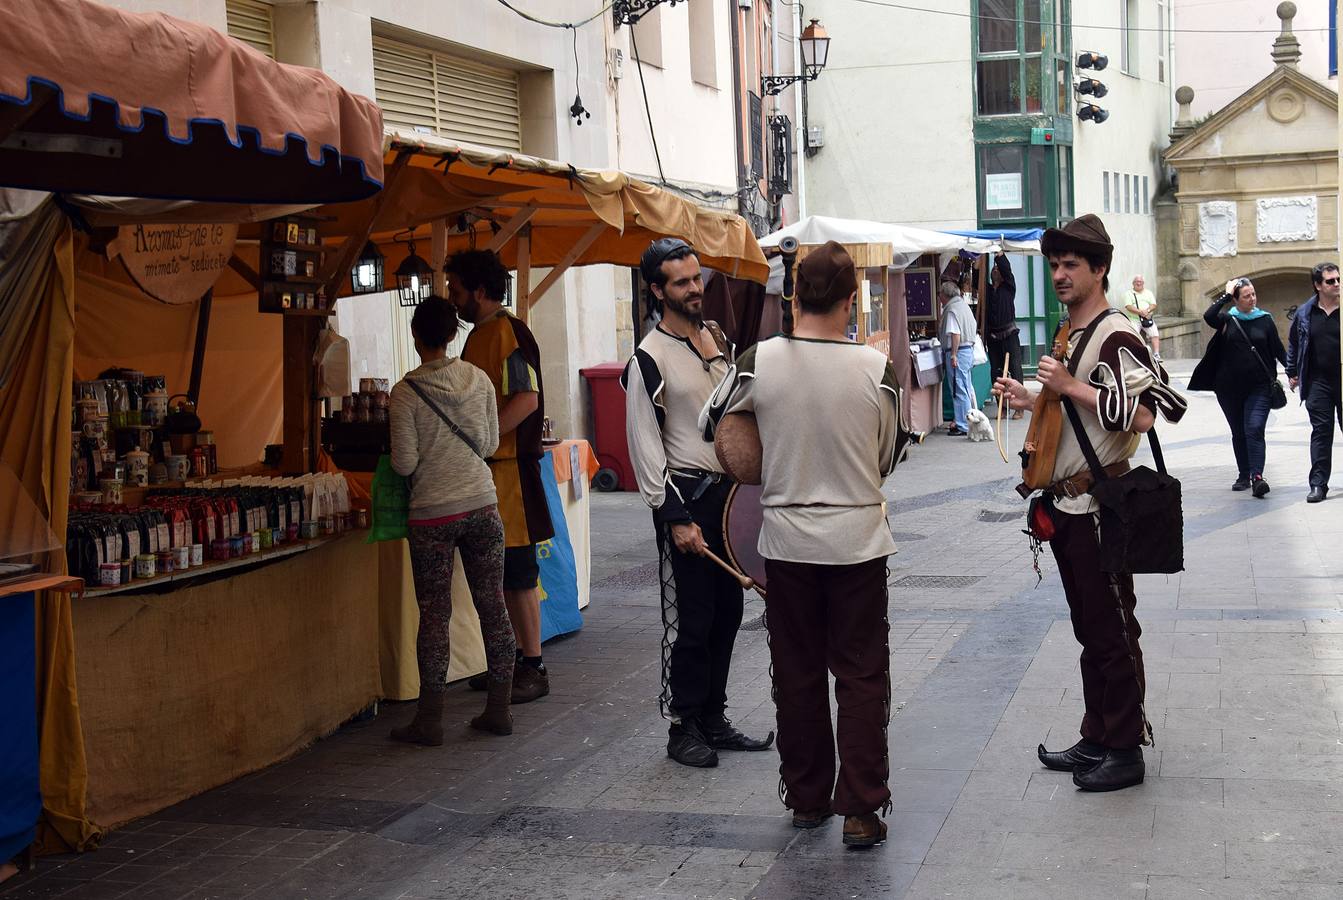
[1116,387]
[828,410]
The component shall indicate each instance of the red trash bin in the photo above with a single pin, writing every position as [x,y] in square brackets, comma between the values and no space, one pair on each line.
[608,428]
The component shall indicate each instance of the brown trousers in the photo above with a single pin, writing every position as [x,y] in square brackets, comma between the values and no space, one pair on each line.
[830,618]
[1113,682]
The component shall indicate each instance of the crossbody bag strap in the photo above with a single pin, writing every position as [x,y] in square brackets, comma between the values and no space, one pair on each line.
[1257,358]
[452,426]
[1083,441]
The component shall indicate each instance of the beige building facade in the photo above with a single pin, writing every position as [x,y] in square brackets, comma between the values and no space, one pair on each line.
[1257,191]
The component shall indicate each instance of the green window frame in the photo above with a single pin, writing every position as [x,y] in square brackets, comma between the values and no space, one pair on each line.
[1022,57]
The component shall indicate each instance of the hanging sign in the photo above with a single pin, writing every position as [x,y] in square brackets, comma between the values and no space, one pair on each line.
[1002,191]
[176,263]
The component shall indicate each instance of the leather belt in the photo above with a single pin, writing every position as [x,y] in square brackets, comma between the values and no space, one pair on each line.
[1080,483]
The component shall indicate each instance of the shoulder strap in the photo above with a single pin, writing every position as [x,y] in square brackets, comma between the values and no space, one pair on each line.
[719,338]
[1076,358]
[1093,461]
[452,426]
[1250,344]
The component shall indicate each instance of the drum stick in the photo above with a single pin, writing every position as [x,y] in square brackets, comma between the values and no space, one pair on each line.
[746,581]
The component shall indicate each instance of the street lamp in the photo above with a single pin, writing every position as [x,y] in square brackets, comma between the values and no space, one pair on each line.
[414,279]
[815,45]
[366,276]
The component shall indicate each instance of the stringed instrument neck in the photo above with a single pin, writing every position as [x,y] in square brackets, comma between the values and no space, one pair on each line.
[1040,449]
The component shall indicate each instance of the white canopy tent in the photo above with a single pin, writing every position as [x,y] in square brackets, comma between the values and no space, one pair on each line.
[907,243]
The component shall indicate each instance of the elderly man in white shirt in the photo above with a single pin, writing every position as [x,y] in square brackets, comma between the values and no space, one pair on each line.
[957,334]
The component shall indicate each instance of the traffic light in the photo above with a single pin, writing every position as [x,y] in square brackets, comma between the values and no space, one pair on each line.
[1090,59]
[1092,87]
[1091,112]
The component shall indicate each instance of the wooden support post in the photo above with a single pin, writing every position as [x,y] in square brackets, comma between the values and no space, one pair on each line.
[511,227]
[202,334]
[300,441]
[523,301]
[578,249]
[982,263]
[438,252]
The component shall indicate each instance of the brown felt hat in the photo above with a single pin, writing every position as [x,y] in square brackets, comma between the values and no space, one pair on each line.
[1086,233]
[826,276]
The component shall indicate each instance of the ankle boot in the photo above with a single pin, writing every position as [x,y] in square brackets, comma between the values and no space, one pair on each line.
[496,719]
[427,726]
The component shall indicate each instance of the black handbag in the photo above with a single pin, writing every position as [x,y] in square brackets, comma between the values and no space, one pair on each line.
[1141,519]
[1277,397]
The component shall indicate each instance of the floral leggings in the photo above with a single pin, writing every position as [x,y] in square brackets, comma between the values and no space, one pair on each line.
[480,537]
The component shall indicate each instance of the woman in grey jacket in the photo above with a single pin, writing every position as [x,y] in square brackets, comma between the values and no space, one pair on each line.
[444,423]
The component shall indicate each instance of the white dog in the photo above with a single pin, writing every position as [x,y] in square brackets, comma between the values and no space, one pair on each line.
[980,429]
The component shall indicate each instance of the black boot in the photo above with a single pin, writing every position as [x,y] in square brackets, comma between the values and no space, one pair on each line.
[1259,487]
[687,745]
[1119,769]
[720,735]
[1080,756]
[1317,493]
[1242,483]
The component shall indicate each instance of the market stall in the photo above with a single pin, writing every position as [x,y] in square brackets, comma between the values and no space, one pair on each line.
[261,639]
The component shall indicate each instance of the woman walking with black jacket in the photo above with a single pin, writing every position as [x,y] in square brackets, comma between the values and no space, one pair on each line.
[1240,366]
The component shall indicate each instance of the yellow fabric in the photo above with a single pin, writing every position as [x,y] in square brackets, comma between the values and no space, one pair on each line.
[189,690]
[35,443]
[242,381]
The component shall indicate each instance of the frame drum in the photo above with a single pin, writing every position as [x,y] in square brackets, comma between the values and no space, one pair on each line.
[743,517]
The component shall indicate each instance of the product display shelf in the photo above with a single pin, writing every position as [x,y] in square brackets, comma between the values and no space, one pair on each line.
[213,567]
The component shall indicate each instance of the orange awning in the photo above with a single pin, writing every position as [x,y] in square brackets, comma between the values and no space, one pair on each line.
[95,100]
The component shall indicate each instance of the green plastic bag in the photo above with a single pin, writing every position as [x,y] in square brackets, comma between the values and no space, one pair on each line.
[391,503]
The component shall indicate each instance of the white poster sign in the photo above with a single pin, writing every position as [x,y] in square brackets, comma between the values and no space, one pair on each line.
[1002,191]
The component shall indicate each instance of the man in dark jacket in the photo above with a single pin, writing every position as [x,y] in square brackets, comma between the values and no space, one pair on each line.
[1313,365]
[1004,338]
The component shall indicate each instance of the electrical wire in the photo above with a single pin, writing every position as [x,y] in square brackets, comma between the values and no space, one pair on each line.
[539,21]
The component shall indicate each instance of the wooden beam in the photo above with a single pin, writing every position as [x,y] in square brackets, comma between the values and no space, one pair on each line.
[578,249]
[523,303]
[438,251]
[516,204]
[249,274]
[343,259]
[202,334]
[300,340]
[511,227]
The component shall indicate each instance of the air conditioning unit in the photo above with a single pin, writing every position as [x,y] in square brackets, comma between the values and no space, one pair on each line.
[815,137]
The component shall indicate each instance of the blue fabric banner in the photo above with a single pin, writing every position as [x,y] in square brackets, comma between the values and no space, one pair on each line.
[559,575]
[20,798]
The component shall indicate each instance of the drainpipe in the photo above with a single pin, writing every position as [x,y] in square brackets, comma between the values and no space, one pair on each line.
[738,80]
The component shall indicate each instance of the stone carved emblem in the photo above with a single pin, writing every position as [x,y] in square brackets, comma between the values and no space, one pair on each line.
[1279,219]
[1217,228]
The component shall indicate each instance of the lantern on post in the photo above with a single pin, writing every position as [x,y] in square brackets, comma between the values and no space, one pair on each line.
[414,279]
[366,276]
[815,46]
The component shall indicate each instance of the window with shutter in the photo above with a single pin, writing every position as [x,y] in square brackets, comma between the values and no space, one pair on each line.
[757,138]
[424,90]
[253,23]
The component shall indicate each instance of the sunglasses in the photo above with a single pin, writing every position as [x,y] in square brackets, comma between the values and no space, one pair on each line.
[1334,280]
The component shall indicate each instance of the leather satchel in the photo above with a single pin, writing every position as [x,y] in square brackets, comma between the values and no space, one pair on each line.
[1141,517]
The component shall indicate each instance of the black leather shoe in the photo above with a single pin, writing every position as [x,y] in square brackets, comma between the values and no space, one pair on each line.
[1260,488]
[687,745]
[1241,484]
[720,735]
[1082,755]
[1118,770]
[1317,494]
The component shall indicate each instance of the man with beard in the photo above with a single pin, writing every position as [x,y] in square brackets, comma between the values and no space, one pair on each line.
[504,348]
[667,382]
[1116,386]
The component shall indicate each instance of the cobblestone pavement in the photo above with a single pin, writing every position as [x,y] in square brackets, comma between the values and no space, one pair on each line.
[1244,795]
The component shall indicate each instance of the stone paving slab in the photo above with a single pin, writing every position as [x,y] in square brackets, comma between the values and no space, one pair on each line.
[1243,799]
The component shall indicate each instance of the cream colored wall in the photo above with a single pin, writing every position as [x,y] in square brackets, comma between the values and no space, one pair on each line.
[1222,66]
[1129,142]
[895,103]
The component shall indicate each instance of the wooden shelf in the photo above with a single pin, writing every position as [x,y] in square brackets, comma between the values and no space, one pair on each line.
[214,567]
[282,280]
[325,313]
